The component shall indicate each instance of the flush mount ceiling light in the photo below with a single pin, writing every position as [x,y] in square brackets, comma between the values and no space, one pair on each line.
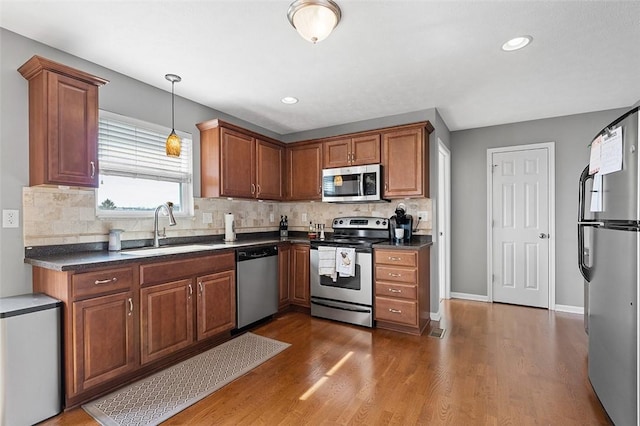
[289,100]
[517,43]
[314,19]
[173,141]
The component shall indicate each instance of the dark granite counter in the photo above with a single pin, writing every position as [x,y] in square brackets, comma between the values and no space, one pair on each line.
[79,257]
[417,242]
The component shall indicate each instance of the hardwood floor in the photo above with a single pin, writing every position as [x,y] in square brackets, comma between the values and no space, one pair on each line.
[496,365]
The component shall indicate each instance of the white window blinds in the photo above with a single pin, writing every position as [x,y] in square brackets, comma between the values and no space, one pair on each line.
[129,148]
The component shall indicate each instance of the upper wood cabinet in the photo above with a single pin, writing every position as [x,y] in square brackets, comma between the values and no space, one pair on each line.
[352,151]
[63,124]
[235,162]
[405,161]
[304,165]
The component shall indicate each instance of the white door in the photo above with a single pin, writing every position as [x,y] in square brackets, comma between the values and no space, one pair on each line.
[520,227]
[443,206]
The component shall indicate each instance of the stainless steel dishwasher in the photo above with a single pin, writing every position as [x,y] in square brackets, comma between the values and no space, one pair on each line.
[256,284]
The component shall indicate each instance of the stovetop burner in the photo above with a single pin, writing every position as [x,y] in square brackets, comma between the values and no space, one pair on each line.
[358,232]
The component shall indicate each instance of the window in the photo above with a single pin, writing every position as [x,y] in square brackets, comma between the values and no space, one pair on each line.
[135,175]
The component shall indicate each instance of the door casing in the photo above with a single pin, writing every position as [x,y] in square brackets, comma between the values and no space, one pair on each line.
[550,146]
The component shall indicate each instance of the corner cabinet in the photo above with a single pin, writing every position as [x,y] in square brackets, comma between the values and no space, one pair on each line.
[235,162]
[405,161]
[402,289]
[304,166]
[63,124]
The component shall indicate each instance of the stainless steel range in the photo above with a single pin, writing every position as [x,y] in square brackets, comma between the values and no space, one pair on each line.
[346,296]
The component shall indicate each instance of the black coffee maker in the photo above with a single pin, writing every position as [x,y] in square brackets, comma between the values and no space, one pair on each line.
[401,220]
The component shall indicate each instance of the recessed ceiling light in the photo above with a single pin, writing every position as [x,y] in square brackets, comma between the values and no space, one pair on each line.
[516,43]
[289,100]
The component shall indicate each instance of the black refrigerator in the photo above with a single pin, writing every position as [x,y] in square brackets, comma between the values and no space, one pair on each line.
[608,258]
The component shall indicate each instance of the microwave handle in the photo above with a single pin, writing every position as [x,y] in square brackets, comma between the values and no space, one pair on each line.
[360,184]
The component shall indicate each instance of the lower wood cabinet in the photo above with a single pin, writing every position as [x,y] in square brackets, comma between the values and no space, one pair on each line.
[125,322]
[103,340]
[284,269]
[299,286]
[216,304]
[166,319]
[402,289]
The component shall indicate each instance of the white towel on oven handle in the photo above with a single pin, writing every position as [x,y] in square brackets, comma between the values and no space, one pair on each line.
[346,261]
[327,262]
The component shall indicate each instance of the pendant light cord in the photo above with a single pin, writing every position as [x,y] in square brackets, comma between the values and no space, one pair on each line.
[173,126]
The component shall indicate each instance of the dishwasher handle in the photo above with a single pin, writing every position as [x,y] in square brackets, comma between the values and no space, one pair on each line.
[256,253]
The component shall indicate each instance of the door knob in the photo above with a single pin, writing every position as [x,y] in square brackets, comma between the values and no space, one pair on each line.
[543,236]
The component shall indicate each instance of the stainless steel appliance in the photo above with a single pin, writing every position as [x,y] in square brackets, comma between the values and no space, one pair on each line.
[403,221]
[256,284]
[30,359]
[614,274]
[347,299]
[352,184]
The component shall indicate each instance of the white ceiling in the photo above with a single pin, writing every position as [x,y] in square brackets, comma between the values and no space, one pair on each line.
[384,58]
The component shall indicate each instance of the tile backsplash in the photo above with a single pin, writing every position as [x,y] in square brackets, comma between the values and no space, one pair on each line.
[53,215]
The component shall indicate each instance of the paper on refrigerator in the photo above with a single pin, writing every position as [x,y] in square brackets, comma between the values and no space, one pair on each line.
[611,152]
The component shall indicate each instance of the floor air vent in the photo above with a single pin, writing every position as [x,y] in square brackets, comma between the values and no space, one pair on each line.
[437,332]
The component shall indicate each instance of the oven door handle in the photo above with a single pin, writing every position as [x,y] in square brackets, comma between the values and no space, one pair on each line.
[343,308]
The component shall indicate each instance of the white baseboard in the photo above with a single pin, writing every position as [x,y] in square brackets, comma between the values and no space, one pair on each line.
[435,316]
[469,296]
[570,309]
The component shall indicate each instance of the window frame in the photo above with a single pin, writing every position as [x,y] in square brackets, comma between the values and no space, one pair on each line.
[186,188]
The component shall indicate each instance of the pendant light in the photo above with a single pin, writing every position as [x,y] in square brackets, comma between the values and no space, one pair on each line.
[173,141]
[314,19]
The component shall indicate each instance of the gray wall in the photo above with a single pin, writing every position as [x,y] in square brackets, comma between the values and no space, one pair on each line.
[571,135]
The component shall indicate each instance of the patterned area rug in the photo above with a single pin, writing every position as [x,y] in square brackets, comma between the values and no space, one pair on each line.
[158,397]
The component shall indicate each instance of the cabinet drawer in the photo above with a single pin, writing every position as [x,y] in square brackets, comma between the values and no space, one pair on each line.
[392,273]
[154,273]
[399,291]
[396,257]
[105,281]
[394,310]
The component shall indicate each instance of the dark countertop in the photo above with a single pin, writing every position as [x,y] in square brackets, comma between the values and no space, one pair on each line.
[416,243]
[67,259]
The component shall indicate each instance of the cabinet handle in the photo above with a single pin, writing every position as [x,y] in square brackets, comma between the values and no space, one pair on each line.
[259,190]
[394,275]
[93,169]
[253,189]
[130,307]
[107,281]
[395,311]
[386,186]
[201,288]
[394,258]
[320,190]
[393,290]
[190,291]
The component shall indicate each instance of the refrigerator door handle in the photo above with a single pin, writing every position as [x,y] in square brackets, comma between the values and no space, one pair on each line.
[584,177]
[582,251]
[582,264]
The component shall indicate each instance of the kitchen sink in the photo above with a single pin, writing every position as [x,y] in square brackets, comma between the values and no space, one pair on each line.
[154,251]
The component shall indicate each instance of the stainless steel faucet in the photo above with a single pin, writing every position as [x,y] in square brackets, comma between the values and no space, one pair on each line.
[168,206]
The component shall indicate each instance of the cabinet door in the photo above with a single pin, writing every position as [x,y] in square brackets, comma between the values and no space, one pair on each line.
[284,268]
[305,172]
[103,339]
[337,153]
[216,303]
[300,275]
[405,159]
[365,150]
[166,318]
[269,171]
[72,123]
[238,164]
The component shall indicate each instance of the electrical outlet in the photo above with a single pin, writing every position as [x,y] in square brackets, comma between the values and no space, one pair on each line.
[207,218]
[271,218]
[304,218]
[10,218]
[423,215]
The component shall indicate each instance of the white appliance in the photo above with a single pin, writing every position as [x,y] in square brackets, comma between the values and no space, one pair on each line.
[352,184]
[609,234]
[30,359]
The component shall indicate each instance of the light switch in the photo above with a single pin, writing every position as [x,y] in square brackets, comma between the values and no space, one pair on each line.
[423,215]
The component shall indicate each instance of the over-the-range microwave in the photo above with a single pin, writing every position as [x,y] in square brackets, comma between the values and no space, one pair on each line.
[352,184]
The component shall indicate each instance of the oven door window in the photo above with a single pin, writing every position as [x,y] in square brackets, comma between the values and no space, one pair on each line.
[341,185]
[351,283]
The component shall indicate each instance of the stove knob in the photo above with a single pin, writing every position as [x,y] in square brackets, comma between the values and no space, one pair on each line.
[341,222]
[377,222]
[335,222]
[384,223]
